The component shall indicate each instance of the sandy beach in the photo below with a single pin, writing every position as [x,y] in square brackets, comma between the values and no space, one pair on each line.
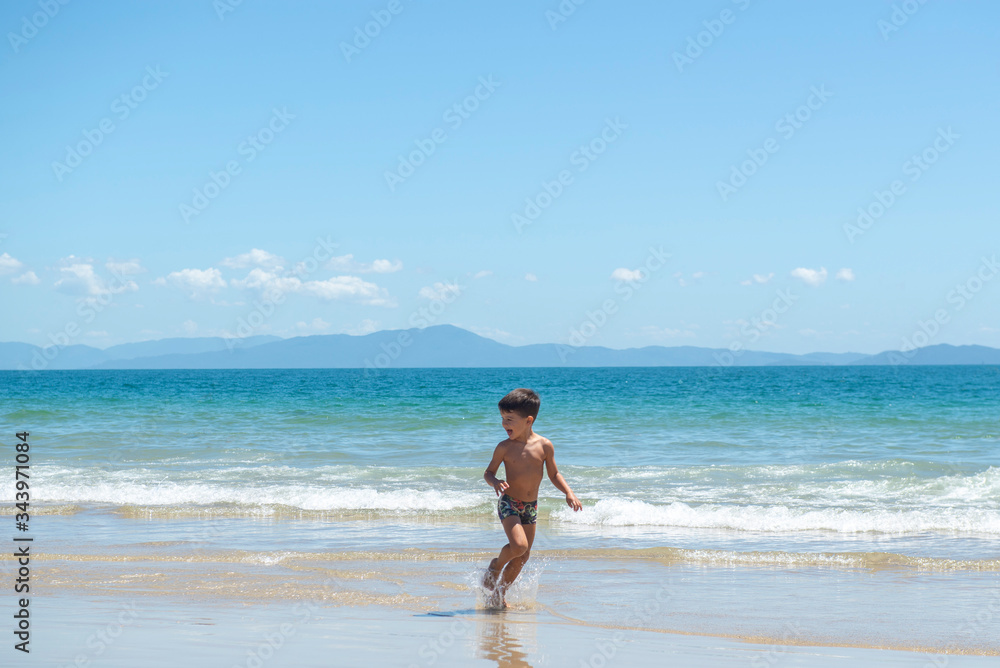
[156,603]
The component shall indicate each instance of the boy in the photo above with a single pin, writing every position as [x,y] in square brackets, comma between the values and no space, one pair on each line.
[522,454]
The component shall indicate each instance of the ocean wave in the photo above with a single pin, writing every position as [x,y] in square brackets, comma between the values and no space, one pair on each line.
[667,555]
[301,497]
[766,499]
[780,518]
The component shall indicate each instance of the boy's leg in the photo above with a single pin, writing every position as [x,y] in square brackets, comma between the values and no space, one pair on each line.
[517,545]
[517,563]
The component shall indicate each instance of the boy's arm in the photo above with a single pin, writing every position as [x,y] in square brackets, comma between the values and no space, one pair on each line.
[557,479]
[490,476]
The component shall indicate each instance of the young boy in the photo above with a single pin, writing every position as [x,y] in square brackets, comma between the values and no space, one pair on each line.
[522,454]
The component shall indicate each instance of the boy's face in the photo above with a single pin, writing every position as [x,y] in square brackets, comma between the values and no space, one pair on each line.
[515,425]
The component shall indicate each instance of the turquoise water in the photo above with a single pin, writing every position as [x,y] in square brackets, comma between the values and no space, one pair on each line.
[773,457]
[859,505]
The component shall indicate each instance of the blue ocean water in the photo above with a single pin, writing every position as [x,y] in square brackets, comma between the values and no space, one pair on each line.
[902,459]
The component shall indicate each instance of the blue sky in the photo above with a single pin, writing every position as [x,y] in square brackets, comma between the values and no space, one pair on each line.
[625,174]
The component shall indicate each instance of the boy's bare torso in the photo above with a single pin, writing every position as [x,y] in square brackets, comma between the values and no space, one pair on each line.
[523,464]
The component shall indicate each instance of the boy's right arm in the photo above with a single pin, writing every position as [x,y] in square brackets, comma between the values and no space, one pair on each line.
[490,476]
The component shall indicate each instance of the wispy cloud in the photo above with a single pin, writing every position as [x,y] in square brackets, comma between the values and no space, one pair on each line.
[197,283]
[78,278]
[624,274]
[335,288]
[760,279]
[348,264]
[440,291]
[255,258]
[27,278]
[813,277]
[9,265]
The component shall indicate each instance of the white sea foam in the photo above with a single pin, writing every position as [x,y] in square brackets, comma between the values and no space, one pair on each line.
[825,497]
[780,518]
[124,490]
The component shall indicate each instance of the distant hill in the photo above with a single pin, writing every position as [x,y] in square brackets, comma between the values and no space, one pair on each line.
[27,356]
[438,346]
[939,354]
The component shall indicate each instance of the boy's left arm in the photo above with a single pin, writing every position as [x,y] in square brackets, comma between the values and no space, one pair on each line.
[557,479]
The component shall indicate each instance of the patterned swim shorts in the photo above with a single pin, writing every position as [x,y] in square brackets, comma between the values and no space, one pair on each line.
[508,505]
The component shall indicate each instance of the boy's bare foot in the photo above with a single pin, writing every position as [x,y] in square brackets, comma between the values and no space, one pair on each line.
[490,576]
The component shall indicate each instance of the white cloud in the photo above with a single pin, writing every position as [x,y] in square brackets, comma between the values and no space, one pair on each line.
[698,274]
[189,326]
[255,258]
[758,278]
[338,287]
[385,266]
[78,279]
[348,287]
[124,268]
[845,274]
[27,278]
[267,282]
[317,325]
[440,291]
[531,277]
[197,283]
[623,274]
[9,265]
[483,274]
[812,277]
[347,263]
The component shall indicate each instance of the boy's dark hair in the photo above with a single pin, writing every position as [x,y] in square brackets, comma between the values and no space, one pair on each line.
[522,401]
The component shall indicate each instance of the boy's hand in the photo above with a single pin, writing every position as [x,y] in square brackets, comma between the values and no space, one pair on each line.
[573,502]
[501,486]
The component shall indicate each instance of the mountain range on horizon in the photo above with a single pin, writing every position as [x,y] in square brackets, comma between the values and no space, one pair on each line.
[438,346]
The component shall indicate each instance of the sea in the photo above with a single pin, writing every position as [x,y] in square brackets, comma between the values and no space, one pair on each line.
[844,506]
